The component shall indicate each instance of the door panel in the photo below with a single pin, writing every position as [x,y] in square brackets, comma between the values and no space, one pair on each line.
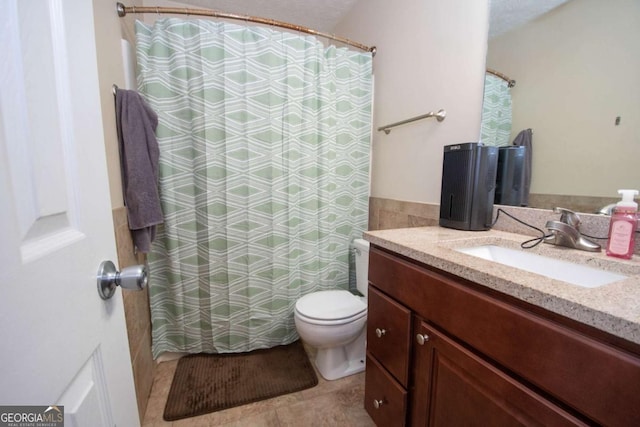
[62,344]
[86,399]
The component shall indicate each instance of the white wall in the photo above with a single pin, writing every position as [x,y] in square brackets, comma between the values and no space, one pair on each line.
[110,29]
[576,69]
[431,55]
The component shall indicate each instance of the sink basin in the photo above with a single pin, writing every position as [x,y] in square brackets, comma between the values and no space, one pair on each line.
[566,271]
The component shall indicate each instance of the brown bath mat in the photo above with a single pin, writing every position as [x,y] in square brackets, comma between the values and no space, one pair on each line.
[206,383]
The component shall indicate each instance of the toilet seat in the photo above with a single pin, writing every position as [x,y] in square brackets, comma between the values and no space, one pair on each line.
[338,322]
[330,307]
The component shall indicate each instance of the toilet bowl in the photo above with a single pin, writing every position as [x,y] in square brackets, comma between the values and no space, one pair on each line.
[334,322]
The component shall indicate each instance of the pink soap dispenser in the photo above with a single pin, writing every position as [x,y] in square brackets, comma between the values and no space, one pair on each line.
[623,226]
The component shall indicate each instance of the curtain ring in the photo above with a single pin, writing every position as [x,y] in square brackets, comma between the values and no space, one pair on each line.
[133,8]
[157,11]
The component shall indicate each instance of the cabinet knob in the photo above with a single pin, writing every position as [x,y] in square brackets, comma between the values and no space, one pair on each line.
[422,338]
[377,403]
[380,332]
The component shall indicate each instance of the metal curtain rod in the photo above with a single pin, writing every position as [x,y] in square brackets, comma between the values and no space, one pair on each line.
[510,81]
[440,116]
[123,10]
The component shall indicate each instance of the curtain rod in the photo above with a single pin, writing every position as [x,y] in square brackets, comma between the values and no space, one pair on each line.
[123,10]
[510,82]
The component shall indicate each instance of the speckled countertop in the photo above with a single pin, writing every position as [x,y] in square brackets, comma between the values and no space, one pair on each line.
[613,308]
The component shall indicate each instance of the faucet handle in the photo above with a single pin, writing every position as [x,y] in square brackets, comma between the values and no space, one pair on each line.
[568,217]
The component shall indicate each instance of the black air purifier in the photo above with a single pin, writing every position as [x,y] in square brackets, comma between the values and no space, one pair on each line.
[510,176]
[468,186]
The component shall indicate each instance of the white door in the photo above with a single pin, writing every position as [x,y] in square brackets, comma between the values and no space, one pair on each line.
[60,343]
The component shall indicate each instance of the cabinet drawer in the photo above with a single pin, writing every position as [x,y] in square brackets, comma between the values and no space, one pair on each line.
[389,334]
[583,372]
[384,399]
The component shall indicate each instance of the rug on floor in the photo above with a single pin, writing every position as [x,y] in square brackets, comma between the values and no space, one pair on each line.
[205,383]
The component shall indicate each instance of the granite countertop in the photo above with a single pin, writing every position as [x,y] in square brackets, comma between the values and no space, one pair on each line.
[613,308]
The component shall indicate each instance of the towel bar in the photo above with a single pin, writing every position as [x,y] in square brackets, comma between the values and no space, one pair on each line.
[440,116]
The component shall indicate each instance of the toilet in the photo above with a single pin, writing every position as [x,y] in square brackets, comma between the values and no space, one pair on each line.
[334,322]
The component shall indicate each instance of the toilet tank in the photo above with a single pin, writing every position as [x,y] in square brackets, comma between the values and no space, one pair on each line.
[361,250]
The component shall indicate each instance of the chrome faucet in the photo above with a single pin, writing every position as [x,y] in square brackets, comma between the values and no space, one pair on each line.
[566,232]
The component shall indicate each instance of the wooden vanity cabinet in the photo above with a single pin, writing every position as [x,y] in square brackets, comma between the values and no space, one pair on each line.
[475,357]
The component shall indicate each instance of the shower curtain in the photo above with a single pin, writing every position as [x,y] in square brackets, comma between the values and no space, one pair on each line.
[264,178]
[496,112]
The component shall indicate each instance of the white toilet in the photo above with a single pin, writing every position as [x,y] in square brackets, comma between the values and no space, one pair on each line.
[334,322]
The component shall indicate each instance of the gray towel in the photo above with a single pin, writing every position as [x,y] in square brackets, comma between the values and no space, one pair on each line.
[139,155]
[525,139]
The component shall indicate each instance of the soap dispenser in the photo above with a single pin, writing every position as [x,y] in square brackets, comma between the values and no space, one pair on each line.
[623,226]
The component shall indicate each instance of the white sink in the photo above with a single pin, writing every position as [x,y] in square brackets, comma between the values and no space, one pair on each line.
[566,271]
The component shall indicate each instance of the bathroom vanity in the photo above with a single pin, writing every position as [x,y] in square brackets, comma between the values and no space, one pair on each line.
[457,340]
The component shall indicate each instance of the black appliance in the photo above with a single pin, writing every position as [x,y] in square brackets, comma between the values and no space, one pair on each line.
[468,186]
[510,177]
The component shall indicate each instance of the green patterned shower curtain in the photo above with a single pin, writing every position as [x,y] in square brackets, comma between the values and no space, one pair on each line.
[496,112]
[264,176]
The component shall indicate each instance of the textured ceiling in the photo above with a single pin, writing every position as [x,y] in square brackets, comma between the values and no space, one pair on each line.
[324,15]
[508,14]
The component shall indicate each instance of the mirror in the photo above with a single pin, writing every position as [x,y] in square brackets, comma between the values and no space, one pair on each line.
[577,73]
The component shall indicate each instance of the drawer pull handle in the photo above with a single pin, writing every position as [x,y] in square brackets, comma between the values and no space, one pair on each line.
[377,403]
[380,332]
[422,338]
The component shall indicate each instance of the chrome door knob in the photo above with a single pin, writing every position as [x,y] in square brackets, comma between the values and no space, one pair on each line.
[377,403]
[380,332]
[422,338]
[132,278]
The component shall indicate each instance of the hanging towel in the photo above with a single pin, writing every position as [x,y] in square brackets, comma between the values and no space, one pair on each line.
[525,139]
[139,155]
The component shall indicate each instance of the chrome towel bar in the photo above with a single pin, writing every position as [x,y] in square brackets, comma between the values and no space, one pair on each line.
[440,116]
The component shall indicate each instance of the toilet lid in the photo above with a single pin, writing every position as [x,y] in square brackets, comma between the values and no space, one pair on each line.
[330,305]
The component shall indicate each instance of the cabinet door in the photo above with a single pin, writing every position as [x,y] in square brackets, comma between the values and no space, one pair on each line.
[455,387]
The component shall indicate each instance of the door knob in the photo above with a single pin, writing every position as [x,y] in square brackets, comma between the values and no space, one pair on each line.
[422,338]
[380,332]
[133,278]
[377,403]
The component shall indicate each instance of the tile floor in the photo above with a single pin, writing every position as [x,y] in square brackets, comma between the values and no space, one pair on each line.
[330,403]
